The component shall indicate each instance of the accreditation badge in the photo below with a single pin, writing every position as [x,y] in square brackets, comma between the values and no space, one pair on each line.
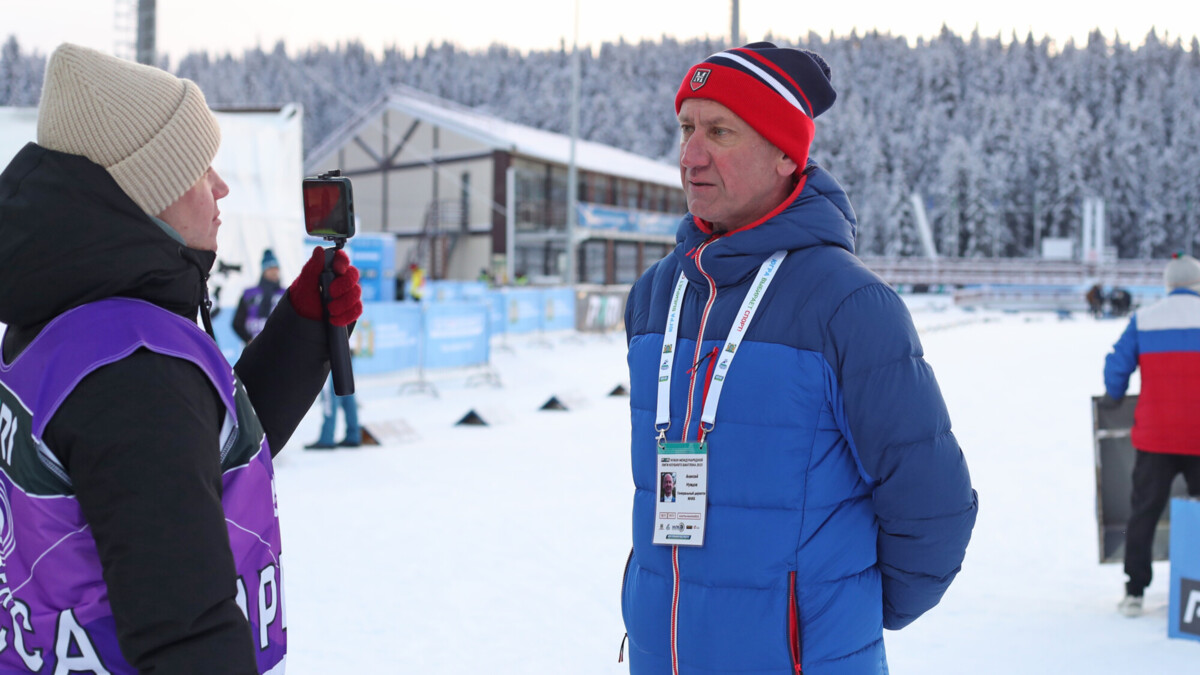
[680,512]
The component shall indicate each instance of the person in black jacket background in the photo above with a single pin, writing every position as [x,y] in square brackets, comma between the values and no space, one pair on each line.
[118,199]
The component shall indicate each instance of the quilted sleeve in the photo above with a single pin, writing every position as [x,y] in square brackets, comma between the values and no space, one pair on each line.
[898,425]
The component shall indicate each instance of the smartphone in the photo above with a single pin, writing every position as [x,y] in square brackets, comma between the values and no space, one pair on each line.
[328,207]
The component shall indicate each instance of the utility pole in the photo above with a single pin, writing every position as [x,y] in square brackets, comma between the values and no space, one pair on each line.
[146,40]
[734,29]
[569,274]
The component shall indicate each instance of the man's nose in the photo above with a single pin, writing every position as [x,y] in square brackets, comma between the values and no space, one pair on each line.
[693,152]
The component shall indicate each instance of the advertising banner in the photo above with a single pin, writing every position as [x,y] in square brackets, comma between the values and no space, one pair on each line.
[1183,617]
[558,309]
[600,309]
[456,334]
[386,338]
[524,310]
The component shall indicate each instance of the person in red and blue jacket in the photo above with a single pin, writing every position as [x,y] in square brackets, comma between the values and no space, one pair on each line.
[1163,340]
[838,500]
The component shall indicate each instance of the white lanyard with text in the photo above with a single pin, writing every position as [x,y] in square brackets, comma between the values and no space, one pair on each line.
[683,466]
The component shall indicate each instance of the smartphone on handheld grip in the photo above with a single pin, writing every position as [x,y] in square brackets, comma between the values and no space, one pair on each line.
[329,206]
[329,214]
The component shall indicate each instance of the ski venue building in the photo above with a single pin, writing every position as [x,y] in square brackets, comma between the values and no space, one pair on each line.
[462,192]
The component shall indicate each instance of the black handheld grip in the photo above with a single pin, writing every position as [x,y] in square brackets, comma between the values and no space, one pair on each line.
[336,336]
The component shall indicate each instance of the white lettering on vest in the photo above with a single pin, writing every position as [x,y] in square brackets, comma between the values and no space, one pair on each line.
[282,604]
[8,432]
[1193,603]
[86,659]
[268,603]
[21,625]
[241,597]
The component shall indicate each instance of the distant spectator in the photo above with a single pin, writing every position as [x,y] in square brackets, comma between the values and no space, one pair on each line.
[330,402]
[416,281]
[1095,300]
[1163,340]
[258,301]
[1120,301]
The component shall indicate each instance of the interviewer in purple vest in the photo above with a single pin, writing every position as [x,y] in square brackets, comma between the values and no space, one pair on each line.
[140,530]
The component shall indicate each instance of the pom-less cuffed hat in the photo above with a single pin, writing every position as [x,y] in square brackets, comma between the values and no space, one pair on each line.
[152,131]
[777,91]
[1182,272]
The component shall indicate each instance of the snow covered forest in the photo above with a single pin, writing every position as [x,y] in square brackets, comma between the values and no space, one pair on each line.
[1002,138]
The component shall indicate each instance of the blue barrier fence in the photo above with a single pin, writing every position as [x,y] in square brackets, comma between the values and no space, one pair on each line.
[451,327]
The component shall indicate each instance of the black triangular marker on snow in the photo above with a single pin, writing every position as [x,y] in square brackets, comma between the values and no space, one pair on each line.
[471,418]
[553,404]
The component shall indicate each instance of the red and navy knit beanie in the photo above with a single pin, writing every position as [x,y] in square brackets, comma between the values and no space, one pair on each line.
[777,91]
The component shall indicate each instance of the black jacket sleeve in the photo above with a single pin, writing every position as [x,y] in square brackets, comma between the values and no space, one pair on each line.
[283,370]
[239,321]
[140,441]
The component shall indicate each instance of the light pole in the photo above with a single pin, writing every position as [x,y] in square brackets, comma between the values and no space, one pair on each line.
[734,29]
[572,172]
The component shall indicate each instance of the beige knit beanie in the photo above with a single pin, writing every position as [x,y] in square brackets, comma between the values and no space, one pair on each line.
[151,130]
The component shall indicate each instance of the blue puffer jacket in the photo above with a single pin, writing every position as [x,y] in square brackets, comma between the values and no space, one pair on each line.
[839,503]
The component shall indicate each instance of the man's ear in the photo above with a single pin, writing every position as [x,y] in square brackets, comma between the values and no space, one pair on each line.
[785,166]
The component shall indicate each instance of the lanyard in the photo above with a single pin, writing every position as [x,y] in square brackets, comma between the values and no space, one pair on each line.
[750,305]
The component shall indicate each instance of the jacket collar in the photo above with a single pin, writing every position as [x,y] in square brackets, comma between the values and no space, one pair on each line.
[817,213]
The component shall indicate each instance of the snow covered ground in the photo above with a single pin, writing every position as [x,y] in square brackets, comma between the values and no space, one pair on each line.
[500,549]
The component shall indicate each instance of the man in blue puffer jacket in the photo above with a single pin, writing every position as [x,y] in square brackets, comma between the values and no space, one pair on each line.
[822,498]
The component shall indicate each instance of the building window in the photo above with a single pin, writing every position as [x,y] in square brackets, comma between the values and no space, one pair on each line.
[652,253]
[626,255]
[465,200]
[676,202]
[598,189]
[592,255]
[627,193]
[654,197]
[530,197]
[557,191]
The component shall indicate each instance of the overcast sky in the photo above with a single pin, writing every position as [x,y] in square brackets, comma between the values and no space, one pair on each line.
[233,25]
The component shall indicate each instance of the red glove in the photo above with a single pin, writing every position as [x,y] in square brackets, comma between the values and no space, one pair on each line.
[345,295]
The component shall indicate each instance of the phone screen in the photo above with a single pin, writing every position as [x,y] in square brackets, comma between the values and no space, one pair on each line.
[327,208]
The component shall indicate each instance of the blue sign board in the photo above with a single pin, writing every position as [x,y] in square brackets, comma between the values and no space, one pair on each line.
[1183,613]
[456,334]
[375,257]
[558,309]
[449,291]
[616,219]
[524,310]
[387,337]
[229,342]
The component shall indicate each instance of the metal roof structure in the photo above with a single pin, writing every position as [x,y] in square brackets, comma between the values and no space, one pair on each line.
[518,139]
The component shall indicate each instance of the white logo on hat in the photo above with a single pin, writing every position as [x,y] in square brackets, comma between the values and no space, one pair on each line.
[699,78]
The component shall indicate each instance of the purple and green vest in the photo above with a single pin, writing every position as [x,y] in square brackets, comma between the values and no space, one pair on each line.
[256,320]
[54,611]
